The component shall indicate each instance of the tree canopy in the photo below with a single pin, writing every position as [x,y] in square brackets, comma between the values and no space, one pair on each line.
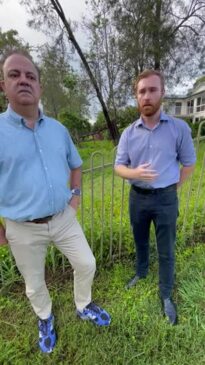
[160,34]
[46,14]
[8,41]
[62,87]
[78,126]
[124,37]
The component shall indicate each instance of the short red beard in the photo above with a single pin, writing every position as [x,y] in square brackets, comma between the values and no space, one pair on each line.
[151,109]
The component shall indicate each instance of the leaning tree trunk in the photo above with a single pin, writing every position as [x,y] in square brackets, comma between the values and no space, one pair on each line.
[156,34]
[110,123]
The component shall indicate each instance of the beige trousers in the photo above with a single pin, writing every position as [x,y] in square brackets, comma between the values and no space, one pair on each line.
[29,242]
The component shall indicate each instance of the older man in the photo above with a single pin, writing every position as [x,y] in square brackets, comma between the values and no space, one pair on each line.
[37,159]
[156,154]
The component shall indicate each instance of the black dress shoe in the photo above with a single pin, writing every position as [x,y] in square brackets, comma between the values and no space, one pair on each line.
[133,281]
[170,312]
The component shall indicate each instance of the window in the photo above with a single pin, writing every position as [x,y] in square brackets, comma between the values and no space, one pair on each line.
[200,104]
[178,107]
[190,106]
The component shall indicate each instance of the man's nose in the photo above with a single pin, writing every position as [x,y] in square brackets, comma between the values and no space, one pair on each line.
[147,95]
[23,79]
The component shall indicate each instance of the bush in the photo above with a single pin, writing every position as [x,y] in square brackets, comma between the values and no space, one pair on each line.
[194,127]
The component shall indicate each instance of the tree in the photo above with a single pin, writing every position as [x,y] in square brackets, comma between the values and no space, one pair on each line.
[62,87]
[160,34]
[104,57]
[125,116]
[77,126]
[53,72]
[44,13]
[8,41]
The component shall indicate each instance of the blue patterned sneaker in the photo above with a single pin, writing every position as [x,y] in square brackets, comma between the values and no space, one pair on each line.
[95,314]
[47,335]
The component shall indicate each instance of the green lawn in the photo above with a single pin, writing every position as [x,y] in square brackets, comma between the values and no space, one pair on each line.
[138,333]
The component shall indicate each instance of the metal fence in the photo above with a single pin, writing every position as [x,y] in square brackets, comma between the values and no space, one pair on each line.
[109,231]
[104,212]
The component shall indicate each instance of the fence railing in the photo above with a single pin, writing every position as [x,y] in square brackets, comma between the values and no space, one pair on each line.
[104,211]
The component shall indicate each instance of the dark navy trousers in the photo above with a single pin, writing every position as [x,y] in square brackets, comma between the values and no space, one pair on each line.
[159,206]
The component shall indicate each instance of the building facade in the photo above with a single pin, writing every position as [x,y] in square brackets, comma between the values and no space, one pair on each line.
[191,106]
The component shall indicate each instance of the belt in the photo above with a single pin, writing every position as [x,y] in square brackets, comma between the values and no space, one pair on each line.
[41,220]
[154,191]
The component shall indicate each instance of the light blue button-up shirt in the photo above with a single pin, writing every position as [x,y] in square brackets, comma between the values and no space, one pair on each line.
[166,146]
[34,167]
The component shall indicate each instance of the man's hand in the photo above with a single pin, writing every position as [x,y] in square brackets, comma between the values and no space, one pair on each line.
[141,172]
[3,240]
[75,202]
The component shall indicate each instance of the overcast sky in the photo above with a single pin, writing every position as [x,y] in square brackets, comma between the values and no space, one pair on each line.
[14,16]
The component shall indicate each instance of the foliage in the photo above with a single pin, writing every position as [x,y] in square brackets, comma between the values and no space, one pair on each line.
[138,334]
[100,122]
[194,127]
[43,12]
[147,34]
[199,81]
[76,125]
[160,34]
[54,69]
[3,101]
[125,116]
[103,55]
[61,85]
[8,41]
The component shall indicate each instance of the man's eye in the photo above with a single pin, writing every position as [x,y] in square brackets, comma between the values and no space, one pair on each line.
[31,77]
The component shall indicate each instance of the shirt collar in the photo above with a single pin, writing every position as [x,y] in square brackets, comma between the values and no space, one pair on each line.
[163,118]
[18,119]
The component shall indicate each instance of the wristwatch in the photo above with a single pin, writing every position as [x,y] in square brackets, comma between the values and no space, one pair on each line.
[76,191]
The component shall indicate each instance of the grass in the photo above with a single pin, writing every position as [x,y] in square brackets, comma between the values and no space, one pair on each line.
[138,333]
[105,149]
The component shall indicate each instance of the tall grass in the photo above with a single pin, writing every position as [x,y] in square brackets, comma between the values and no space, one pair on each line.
[106,227]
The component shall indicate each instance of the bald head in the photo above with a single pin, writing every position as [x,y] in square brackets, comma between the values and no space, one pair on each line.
[20,52]
[21,83]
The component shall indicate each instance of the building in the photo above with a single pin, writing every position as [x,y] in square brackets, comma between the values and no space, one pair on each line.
[191,106]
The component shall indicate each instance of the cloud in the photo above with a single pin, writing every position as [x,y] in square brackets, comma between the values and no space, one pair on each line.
[14,16]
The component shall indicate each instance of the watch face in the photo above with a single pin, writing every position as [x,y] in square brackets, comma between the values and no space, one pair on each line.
[76,192]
